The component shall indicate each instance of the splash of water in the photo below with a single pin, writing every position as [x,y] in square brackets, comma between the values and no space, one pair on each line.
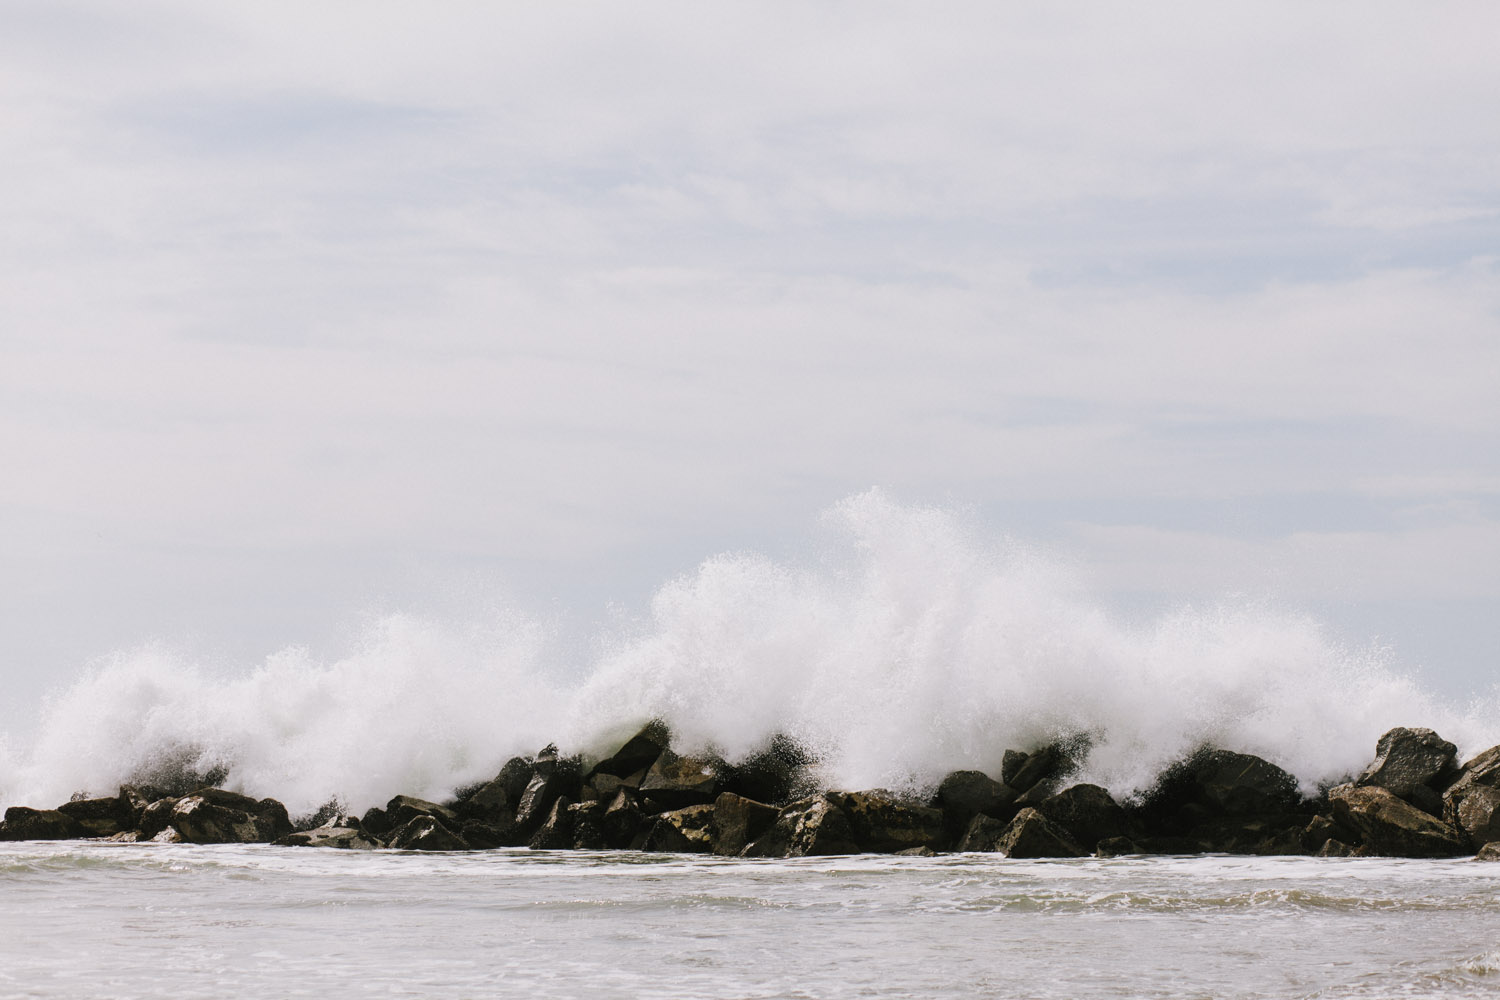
[912,647]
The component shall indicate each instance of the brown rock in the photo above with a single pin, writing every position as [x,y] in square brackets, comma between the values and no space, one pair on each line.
[24,823]
[688,830]
[424,832]
[1392,826]
[813,826]
[1032,835]
[675,782]
[1410,764]
[102,817]
[1087,812]
[738,821]
[881,824]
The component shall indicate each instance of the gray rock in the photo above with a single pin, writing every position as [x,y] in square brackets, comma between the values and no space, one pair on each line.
[1392,826]
[1335,849]
[813,826]
[217,816]
[24,823]
[982,834]
[155,818]
[688,830]
[881,824]
[1477,813]
[675,782]
[1032,835]
[917,852]
[964,794]
[738,821]
[1088,812]
[1409,762]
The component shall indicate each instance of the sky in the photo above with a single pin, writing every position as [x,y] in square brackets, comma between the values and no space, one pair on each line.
[309,310]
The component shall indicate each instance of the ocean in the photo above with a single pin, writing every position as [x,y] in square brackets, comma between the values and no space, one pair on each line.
[124,921]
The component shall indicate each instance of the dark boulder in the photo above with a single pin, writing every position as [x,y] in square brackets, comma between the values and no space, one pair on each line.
[674,782]
[1477,813]
[25,823]
[1411,764]
[964,794]
[981,835]
[556,832]
[341,837]
[425,832]
[1011,763]
[778,773]
[637,754]
[688,830]
[155,818]
[1392,826]
[1088,812]
[738,821]
[552,778]
[1334,849]
[402,809]
[218,816]
[1319,830]
[490,802]
[102,817]
[1113,847]
[1211,784]
[375,822]
[588,826]
[813,826]
[625,824]
[883,825]
[1032,835]
[482,836]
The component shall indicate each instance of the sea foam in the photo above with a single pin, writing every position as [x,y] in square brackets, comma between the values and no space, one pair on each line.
[910,645]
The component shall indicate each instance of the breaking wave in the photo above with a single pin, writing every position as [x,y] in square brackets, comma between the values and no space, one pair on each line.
[910,646]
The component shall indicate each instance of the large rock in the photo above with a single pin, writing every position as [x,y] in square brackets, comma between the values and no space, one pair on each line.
[1088,812]
[624,823]
[1392,826]
[688,830]
[777,773]
[25,823]
[425,832]
[556,833]
[552,777]
[588,826]
[982,834]
[1476,813]
[964,794]
[813,826]
[155,818]
[1411,764]
[1212,784]
[218,816]
[102,817]
[738,821]
[883,825]
[342,837]
[674,782]
[402,809]
[637,754]
[1489,852]
[1032,835]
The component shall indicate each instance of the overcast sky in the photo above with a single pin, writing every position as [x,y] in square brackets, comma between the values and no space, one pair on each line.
[312,310]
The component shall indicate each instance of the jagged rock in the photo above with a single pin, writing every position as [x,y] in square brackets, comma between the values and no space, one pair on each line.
[1241,784]
[813,826]
[738,821]
[1039,766]
[588,826]
[125,837]
[553,777]
[1411,764]
[402,809]
[883,825]
[491,802]
[1392,826]
[1088,812]
[425,832]
[963,794]
[218,816]
[1318,831]
[155,818]
[777,773]
[101,817]
[375,822]
[674,782]
[1481,769]
[982,834]
[1262,835]
[1010,765]
[167,836]
[556,833]
[1489,852]
[342,837]
[1477,813]
[482,836]
[625,825]
[637,754]
[1335,849]
[688,830]
[1032,835]
[24,823]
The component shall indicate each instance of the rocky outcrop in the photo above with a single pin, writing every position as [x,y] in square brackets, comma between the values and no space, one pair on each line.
[1087,812]
[24,823]
[1476,813]
[556,832]
[217,816]
[1389,825]
[1412,764]
[1032,835]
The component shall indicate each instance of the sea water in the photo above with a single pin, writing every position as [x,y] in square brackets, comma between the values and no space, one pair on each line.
[124,921]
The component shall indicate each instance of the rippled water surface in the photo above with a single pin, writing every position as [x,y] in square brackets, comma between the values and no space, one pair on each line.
[87,920]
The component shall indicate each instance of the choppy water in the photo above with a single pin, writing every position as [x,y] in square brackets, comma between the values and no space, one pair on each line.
[121,921]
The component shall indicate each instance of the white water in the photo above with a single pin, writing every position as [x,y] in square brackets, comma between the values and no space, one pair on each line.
[909,647]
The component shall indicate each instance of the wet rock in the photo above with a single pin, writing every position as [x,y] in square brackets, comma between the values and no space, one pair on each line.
[1010,765]
[155,818]
[491,802]
[1088,812]
[1334,849]
[1032,835]
[1482,769]
[1039,767]
[738,821]
[675,782]
[1113,847]
[637,754]
[553,777]
[813,826]
[1489,852]
[1411,764]
[482,836]
[625,824]
[982,834]
[402,809]
[424,832]
[776,774]
[25,823]
[688,830]
[102,817]
[218,816]
[588,826]
[166,836]
[964,794]
[1260,835]
[1392,826]
[1211,784]
[917,852]
[881,824]
[125,837]
[376,822]
[1318,831]
[556,833]
[1477,813]
[341,837]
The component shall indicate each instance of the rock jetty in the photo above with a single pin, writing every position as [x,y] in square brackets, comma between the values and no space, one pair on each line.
[1413,800]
